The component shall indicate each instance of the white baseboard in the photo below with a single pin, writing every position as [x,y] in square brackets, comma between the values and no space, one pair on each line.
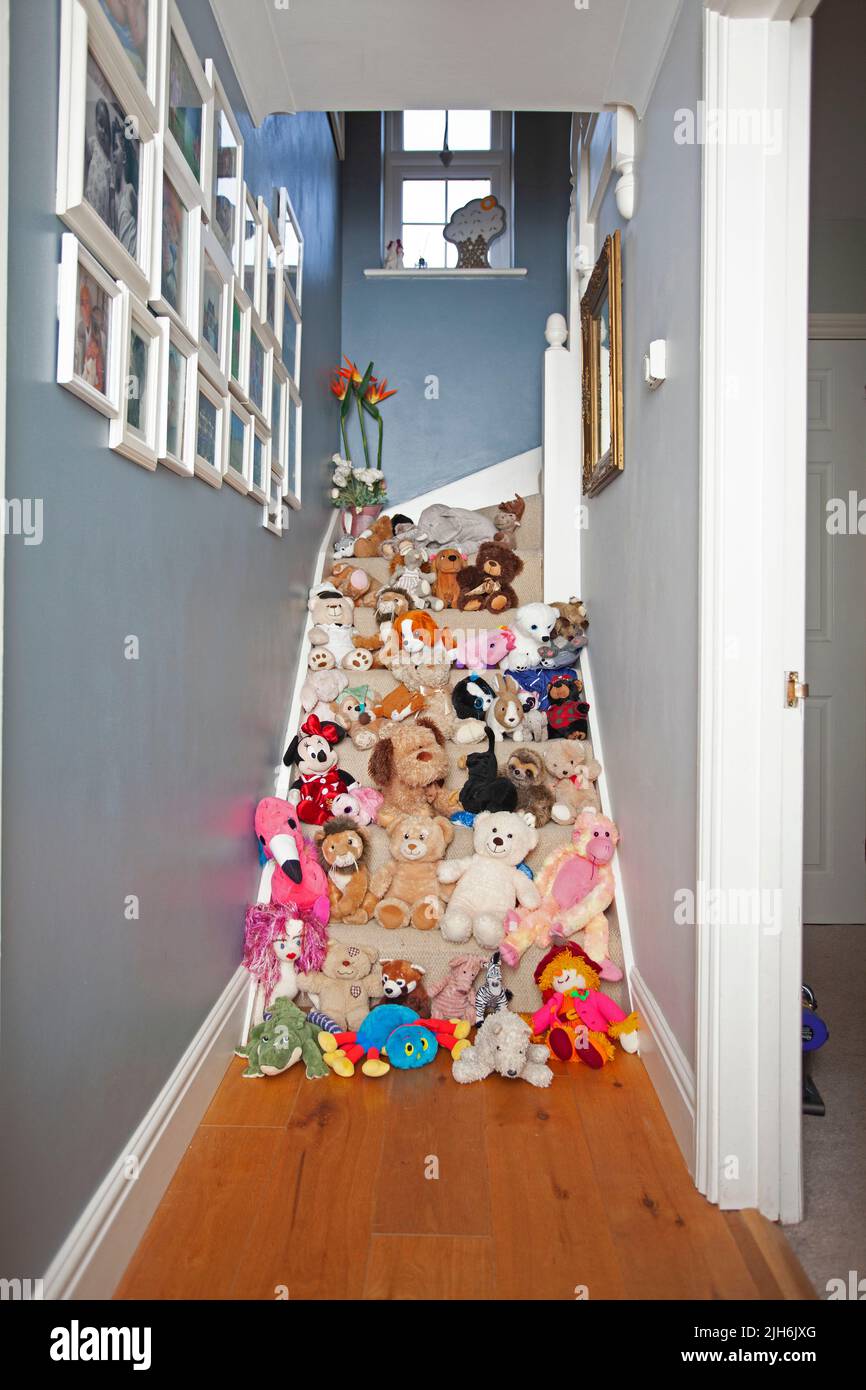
[486,488]
[98,1249]
[669,1069]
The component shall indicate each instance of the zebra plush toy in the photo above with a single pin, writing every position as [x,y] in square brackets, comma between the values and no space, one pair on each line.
[492,996]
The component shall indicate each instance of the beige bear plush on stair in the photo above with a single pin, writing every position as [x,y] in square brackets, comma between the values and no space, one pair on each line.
[407,887]
[489,884]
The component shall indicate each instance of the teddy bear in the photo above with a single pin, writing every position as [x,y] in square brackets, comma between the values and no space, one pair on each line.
[349,978]
[489,884]
[334,638]
[532,626]
[573,770]
[354,583]
[407,888]
[403,983]
[447,565]
[525,770]
[409,765]
[320,690]
[567,711]
[344,850]
[314,752]
[577,1019]
[575,885]
[503,1044]
[432,680]
[487,583]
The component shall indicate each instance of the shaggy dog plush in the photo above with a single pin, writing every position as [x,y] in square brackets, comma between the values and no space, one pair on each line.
[409,765]
[344,850]
[407,889]
[349,978]
[454,995]
[487,584]
[403,983]
[503,1044]
[489,884]
[573,770]
[484,789]
[525,770]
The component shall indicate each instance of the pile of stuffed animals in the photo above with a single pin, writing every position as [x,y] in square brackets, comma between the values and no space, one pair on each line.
[517,680]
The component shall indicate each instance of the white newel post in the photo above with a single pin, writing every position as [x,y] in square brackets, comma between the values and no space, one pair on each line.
[561,480]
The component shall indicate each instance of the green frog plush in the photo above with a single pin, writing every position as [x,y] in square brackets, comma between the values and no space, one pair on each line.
[283,1036]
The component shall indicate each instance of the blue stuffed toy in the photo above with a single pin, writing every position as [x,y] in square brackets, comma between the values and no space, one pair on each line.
[392,1036]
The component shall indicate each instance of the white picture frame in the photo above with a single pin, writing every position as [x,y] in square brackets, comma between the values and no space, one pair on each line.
[175,346]
[290,333]
[270,305]
[279,414]
[227,188]
[189,147]
[211,422]
[106,150]
[293,448]
[134,433]
[215,311]
[274,508]
[240,422]
[239,342]
[89,352]
[260,474]
[142,55]
[175,292]
[292,243]
[252,234]
[261,365]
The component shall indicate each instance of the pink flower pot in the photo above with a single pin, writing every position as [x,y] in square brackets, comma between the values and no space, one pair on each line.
[358,520]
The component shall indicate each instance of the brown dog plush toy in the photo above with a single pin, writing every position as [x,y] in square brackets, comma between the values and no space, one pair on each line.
[448,564]
[487,584]
[409,766]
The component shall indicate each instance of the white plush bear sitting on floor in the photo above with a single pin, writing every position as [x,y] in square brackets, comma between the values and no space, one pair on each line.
[489,884]
[532,628]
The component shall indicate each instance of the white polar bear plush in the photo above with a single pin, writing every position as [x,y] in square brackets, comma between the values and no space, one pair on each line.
[532,628]
[489,884]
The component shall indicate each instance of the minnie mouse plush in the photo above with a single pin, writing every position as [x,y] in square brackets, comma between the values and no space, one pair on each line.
[313,752]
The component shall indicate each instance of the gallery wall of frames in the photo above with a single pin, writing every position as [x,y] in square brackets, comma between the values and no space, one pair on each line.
[180,292]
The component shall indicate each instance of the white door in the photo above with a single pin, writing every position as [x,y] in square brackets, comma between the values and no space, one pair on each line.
[834,835]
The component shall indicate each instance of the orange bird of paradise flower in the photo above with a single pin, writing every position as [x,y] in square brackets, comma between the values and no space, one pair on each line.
[378,391]
[350,372]
[339,386]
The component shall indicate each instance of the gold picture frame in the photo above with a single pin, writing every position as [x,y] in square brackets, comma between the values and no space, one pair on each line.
[601,335]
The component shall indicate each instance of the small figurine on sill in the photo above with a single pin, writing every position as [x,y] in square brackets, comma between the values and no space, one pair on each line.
[394,255]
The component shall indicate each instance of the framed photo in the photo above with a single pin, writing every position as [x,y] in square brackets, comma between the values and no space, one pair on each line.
[272,511]
[239,461]
[292,243]
[261,361]
[135,27]
[251,251]
[175,281]
[239,342]
[270,307]
[90,335]
[260,475]
[215,312]
[211,432]
[601,334]
[293,456]
[290,333]
[226,202]
[106,149]
[178,400]
[135,431]
[187,109]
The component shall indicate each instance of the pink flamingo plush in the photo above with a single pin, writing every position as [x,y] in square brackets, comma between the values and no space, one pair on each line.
[298,879]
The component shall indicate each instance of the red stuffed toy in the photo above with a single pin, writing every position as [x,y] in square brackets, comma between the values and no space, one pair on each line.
[313,752]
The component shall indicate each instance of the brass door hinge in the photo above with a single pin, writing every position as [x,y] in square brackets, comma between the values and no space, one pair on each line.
[795,690]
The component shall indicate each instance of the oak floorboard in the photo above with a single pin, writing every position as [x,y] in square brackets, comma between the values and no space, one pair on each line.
[410,1267]
[259,1101]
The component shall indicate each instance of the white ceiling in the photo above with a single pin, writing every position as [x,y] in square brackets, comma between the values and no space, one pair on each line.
[510,55]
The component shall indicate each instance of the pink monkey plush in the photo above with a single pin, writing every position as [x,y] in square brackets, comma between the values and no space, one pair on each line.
[576,885]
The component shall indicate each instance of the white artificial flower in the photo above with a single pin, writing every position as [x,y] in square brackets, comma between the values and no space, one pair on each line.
[335,492]
[337,459]
[376,474]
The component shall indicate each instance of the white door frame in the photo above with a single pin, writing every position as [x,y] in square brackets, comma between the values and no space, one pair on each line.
[752,603]
[4,270]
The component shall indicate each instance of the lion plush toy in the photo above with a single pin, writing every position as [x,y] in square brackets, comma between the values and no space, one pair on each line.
[344,850]
[487,583]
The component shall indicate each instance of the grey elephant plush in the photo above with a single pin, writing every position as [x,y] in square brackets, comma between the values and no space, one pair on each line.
[504,1044]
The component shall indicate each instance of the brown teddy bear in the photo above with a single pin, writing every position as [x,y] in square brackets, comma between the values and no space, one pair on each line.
[487,584]
[368,543]
[344,850]
[409,766]
[447,565]
[403,983]
[573,770]
[349,979]
[525,770]
[407,888]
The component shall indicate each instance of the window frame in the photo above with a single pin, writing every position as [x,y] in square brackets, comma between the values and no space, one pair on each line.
[495,164]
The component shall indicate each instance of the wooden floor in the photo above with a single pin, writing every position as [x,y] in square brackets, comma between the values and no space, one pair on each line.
[323,1190]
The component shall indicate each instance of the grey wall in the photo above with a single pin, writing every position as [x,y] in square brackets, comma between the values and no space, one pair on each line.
[837,258]
[640,557]
[130,777]
[483,340]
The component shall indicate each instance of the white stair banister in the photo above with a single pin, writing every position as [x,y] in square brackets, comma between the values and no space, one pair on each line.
[561,468]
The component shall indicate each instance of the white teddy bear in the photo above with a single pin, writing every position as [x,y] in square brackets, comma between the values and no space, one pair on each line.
[489,884]
[532,628]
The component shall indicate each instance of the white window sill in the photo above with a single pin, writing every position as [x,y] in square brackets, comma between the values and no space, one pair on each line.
[436,274]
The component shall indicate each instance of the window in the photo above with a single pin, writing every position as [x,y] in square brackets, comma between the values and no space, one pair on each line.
[421,194]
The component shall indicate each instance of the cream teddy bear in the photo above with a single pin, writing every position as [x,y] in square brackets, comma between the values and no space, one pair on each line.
[489,884]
